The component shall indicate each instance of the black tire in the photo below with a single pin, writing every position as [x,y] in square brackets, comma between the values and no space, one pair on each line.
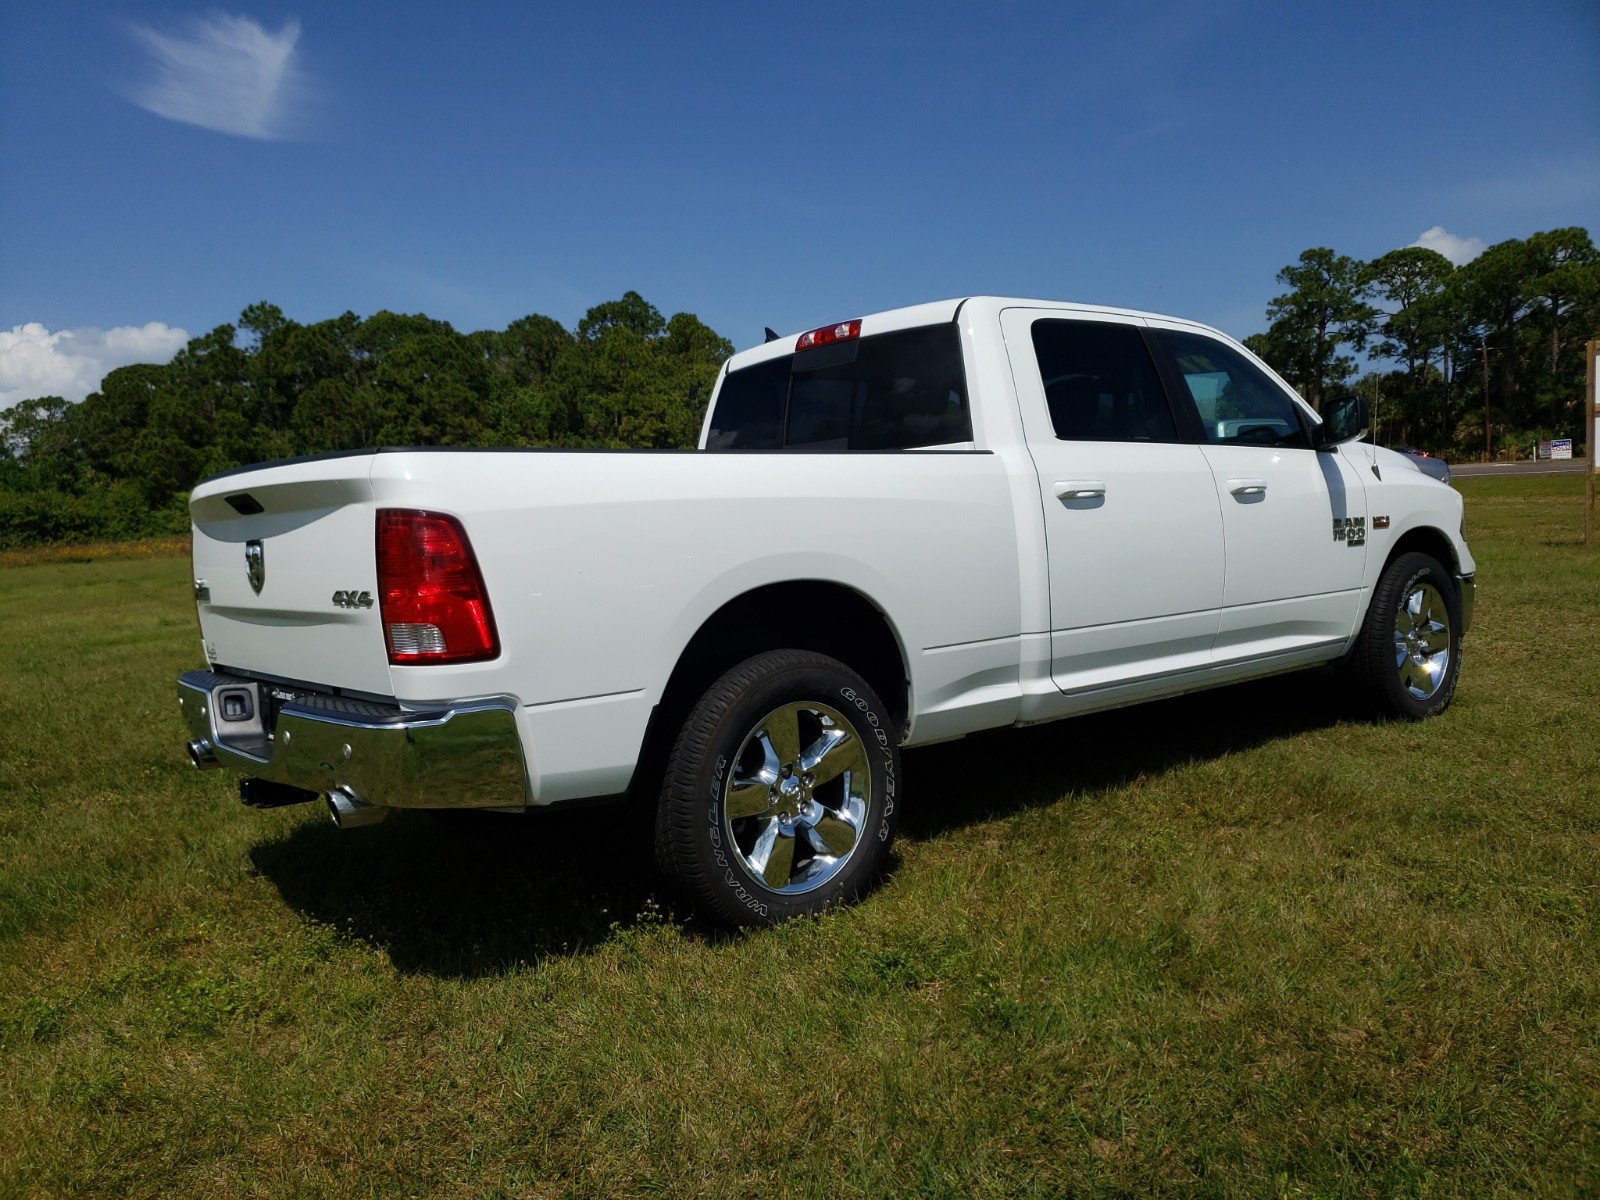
[714,855]
[1383,660]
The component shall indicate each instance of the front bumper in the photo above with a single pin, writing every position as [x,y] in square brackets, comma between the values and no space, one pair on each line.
[466,755]
[1467,589]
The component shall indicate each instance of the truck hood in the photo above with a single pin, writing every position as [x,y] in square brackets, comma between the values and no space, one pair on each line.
[1392,460]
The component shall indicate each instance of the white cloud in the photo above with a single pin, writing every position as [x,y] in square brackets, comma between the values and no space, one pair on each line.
[71,362]
[1456,248]
[224,73]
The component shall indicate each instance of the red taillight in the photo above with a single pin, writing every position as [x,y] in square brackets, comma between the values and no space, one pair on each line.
[844,331]
[435,608]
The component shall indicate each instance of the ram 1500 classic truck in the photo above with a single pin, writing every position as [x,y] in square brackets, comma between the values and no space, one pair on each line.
[896,530]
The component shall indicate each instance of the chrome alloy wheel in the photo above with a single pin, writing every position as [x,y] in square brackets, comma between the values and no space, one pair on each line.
[797,797]
[1422,641]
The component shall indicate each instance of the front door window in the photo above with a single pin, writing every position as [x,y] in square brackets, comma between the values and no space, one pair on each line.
[1238,404]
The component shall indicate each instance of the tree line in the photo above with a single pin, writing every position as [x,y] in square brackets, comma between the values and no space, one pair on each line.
[120,463]
[1481,359]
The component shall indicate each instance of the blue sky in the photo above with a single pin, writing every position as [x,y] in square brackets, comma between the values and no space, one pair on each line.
[756,165]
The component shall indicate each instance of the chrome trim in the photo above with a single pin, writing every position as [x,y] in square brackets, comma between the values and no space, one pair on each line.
[255,564]
[349,811]
[468,755]
[1422,641]
[798,797]
[1467,590]
[202,755]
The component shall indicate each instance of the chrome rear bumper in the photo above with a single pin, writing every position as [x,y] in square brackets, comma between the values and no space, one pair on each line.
[468,755]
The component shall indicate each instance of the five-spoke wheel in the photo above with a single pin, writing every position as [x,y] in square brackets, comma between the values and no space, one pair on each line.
[779,795]
[1422,641]
[1408,654]
[796,798]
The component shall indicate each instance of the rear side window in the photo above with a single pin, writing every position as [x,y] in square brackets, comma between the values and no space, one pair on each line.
[1239,405]
[1100,383]
[891,391]
[749,413]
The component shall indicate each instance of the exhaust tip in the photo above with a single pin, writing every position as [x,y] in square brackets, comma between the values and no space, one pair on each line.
[202,755]
[349,811]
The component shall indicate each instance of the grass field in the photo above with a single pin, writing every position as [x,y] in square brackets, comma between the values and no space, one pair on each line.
[1245,943]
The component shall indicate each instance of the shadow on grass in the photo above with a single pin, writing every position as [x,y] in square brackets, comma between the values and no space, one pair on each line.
[994,774]
[478,895]
[487,893]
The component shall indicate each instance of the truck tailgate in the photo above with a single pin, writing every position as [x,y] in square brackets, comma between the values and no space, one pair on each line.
[285,574]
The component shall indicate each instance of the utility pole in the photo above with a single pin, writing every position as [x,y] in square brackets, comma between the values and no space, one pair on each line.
[1488,443]
[1592,410]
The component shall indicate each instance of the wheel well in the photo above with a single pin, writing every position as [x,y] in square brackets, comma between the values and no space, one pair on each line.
[1426,540]
[827,618]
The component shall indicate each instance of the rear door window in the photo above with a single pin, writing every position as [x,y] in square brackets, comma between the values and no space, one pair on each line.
[1100,383]
[890,391]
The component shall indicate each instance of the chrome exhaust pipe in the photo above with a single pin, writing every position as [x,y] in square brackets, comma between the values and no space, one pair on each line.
[350,811]
[202,755]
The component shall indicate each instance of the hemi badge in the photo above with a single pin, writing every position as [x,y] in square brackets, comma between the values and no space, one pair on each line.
[1380,522]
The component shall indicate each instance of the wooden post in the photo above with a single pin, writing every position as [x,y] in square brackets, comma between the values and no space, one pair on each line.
[1488,443]
[1591,368]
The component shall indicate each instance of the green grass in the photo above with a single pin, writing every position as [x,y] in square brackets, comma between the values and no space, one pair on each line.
[1244,943]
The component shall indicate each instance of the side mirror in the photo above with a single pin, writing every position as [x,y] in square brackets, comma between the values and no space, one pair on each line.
[1344,419]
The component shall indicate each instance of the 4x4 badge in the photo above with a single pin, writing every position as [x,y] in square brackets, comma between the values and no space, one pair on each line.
[255,564]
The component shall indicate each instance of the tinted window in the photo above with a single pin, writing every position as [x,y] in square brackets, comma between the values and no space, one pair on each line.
[892,391]
[749,412]
[1239,405]
[902,390]
[1100,383]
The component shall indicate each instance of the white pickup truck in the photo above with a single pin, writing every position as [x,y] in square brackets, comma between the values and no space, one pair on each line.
[896,530]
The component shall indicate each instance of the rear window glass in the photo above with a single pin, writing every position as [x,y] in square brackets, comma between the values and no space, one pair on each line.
[892,391]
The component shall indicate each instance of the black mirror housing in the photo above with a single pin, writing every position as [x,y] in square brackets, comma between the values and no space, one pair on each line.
[1344,419]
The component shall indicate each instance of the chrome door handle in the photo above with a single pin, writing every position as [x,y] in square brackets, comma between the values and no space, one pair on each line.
[1248,487]
[1079,489]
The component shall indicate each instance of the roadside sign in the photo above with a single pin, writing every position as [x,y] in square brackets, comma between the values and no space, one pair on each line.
[1561,448]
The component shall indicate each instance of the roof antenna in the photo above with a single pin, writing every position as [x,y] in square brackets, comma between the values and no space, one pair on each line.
[771,337]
